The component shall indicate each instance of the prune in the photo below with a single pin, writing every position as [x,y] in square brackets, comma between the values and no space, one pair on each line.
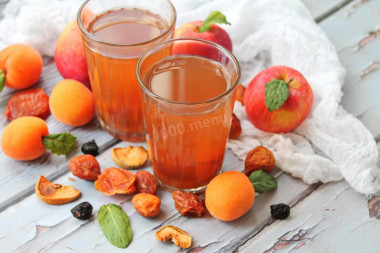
[82,211]
[90,148]
[280,211]
[188,204]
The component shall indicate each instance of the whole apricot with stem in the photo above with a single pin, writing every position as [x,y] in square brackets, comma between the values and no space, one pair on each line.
[27,138]
[20,66]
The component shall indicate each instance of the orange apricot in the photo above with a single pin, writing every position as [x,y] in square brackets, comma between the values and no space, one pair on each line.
[229,195]
[72,103]
[21,64]
[22,138]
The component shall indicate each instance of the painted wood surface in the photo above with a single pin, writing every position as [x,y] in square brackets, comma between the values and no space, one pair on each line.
[324,218]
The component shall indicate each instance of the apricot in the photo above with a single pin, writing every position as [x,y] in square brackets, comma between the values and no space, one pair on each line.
[229,195]
[72,103]
[22,138]
[22,66]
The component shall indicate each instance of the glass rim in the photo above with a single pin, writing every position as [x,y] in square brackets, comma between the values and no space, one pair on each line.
[220,96]
[94,38]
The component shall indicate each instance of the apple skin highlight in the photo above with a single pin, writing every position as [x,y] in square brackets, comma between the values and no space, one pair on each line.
[292,113]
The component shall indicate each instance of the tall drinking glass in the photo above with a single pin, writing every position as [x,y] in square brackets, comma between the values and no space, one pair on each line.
[114,34]
[188,100]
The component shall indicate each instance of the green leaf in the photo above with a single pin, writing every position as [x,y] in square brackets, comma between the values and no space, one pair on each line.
[2,80]
[276,93]
[214,17]
[115,225]
[262,181]
[59,144]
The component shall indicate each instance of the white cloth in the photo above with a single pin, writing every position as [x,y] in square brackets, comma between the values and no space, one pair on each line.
[329,145]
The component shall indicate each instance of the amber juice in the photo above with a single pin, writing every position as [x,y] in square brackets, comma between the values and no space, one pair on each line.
[123,34]
[187,140]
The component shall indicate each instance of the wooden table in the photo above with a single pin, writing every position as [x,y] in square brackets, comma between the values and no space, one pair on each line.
[324,217]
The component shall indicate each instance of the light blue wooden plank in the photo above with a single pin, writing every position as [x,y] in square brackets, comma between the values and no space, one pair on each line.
[319,9]
[354,30]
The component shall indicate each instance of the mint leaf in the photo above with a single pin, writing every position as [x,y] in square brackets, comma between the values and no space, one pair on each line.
[214,17]
[115,225]
[59,144]
[2,80]
[276,93]
[262,181]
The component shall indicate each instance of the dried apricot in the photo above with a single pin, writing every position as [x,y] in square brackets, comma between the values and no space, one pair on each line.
[146,204]
[259,158]
[129,157]
[188,204]
[85,167]
[145,182]
[55,194]
[239,95]
[235,130]
[114,180]
[179,237]
[30,102]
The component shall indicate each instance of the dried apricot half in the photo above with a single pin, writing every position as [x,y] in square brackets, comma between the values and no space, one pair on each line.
[129,157]
[114,180]
[55,194]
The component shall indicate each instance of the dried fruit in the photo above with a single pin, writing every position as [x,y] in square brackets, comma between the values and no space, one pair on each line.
[85,167]
[145,182]
[114,180]
[90,148]
[30,102]
[259,158]
[147,205]
[239,95]
[280,211]
[177,235]
[129,157]
[149,150]
[188,204]
[235,130]
[82,211]
[55,194]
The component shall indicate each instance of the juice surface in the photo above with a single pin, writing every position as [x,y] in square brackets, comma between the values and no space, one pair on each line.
[188,142]
[112,68]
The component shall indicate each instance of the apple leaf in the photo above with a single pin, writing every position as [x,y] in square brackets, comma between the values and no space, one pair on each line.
[2,80]
[59,144]
[214,17]
[276,93]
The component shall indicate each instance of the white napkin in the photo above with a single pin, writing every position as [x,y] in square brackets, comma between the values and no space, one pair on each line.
[329,145]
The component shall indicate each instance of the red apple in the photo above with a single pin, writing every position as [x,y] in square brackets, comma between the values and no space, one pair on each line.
[206,30]
[269,87]
[69,55]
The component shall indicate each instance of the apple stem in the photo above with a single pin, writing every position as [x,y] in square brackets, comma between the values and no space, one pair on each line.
[290,80]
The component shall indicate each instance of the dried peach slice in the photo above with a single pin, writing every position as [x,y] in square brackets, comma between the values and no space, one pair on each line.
[55,194]
[177,235]
[129,157]
[114,180]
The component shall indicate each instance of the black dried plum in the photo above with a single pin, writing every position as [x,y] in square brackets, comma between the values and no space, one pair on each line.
[82,211]
[280,211]
[90,148]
